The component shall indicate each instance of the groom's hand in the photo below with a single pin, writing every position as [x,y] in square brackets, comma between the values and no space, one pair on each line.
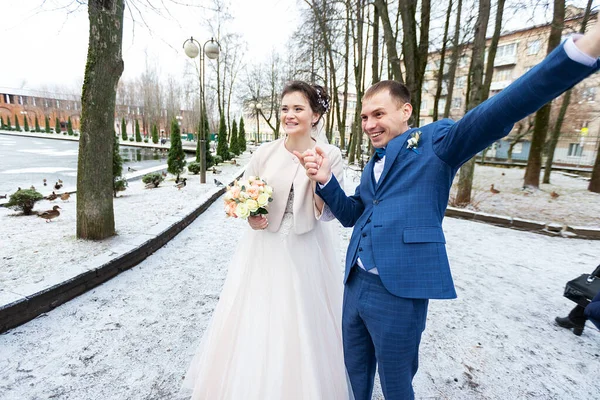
[316,163]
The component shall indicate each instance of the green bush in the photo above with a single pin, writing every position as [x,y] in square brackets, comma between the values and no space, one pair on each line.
[154,178]
[119,185]
[17,125]
[69,127]
[57,125]
[176,159]
[218,160]
[138,136]
[194,167]
[146,140]
[123,129]
[48,125]
[131,139]
[24,199]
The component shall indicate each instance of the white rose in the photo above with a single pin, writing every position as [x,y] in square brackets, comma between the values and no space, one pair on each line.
[242,211]
[268,190]
[263,199]
[252,205]
[228,195]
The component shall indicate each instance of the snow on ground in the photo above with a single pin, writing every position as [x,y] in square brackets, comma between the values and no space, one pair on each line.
[574,206]
[133,337]
[35,254]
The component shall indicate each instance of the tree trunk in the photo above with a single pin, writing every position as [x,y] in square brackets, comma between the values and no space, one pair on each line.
[375,59]
[534,163]
[440,74]
[595,181]
[415,55]
[453,60]
[95,214]
[390,40]
[563,110]
[476,95]
[489,69]
[555,135]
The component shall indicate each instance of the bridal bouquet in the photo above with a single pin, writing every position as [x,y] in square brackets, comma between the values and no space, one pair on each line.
[248,198]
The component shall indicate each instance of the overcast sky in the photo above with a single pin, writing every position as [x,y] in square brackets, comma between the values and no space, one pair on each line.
[45,43]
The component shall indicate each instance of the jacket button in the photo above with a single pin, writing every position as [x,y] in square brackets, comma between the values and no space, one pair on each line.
[364,235]
[360,249]
[375,201]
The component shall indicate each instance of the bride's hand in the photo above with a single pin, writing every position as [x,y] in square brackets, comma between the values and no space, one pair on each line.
[258,223]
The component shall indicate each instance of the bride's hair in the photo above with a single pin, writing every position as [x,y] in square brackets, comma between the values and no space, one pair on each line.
[315,94]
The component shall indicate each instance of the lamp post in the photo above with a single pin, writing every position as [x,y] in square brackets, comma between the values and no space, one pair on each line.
[193,49]
[256,106]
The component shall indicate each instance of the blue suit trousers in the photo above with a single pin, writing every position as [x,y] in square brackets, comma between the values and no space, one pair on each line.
[381,330]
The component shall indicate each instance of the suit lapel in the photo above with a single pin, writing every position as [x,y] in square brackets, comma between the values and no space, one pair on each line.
[368,171]
[394,147]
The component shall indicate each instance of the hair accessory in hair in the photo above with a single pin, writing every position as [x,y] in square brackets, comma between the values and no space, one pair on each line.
[322,101]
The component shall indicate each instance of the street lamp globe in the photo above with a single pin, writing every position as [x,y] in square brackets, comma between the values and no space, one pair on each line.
[211,49]
[190,48]
[258,106]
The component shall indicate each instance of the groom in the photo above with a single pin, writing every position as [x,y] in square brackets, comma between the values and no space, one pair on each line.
[396,259]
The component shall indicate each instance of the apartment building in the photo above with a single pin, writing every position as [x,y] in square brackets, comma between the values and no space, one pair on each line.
[518,52]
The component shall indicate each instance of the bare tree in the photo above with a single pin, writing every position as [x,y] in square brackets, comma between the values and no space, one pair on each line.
[476,94]
[415,51]
[563,110]
[440,73]
[454,59]
[542,117]
[95,213]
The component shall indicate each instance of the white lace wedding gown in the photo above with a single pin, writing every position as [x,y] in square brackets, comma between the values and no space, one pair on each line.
[276,331]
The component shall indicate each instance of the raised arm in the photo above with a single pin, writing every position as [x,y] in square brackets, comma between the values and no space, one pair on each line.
[493,119]
[318,167]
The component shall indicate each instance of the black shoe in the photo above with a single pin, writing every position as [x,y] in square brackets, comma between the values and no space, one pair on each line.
[565,322]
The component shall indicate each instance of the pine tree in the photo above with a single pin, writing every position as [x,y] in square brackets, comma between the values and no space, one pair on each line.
[47,124]
[17,126]
[242,136]
[8,124]
[176,160]
[119,183]
[222,146]
[154,134]
[69,127]
[138,137]
[57,125]
[25,124]
[233,143]
[123,129]
[37,124]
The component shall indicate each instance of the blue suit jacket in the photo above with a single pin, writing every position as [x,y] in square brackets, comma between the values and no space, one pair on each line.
[407,205]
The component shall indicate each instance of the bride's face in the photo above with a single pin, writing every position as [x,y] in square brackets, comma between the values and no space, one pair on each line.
[297,117]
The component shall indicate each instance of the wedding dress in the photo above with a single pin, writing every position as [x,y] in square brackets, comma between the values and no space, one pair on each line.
[276,331]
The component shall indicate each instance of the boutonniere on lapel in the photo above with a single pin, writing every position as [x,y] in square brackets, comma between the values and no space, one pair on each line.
[413,142]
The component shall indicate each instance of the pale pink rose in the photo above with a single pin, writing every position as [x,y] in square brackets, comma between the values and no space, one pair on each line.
[230,208]
[253,192]
[235,192]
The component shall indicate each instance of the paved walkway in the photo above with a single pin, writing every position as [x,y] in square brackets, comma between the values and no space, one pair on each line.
[133,337]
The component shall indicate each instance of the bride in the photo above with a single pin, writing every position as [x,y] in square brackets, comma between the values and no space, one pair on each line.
[276,331]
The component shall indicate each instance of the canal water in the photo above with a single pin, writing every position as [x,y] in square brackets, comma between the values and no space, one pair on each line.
[27,161]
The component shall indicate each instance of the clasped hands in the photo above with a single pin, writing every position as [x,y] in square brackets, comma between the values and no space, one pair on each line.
[316,163]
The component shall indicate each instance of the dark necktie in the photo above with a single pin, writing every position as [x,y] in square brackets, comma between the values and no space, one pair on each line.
[379,153]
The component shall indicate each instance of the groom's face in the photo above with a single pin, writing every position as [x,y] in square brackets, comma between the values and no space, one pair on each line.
[384,118]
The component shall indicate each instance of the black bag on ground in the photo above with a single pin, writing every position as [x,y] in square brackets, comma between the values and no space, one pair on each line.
[582,289]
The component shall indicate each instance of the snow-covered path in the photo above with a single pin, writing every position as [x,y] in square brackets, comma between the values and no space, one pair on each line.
[133,337]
